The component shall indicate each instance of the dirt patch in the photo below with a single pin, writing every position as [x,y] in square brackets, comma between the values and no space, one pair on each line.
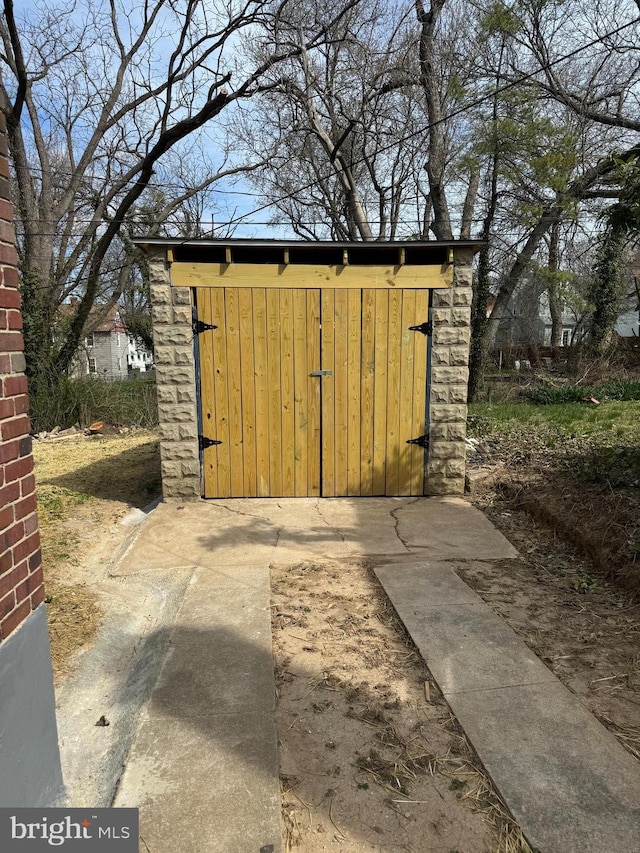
[371,759]
[583,624]
[84,488]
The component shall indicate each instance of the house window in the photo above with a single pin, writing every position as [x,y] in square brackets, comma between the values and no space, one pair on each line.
[566,337]
[88,341]
[92,365]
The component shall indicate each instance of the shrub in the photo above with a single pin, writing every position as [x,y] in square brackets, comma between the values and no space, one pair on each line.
[129,402]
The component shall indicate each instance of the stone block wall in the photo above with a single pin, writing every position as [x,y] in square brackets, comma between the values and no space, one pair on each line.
[451,317]
[176,383]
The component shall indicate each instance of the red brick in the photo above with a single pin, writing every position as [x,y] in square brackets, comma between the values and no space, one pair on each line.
[9,450]
[5,363]
[6,211]
[10,493]
[35,579]
[11,622]
[6,562]
[4,167]
[6,517]
[27,547]
[7,408]
[27,485]
[37,597]
[14,385]
[19,468]
[25,445]
[21,404]
[30,524]
[7,604]
[35,560]
[11,278]
[8,254]
[24,507]
[3,319]
[11,342]
[29,586]
[9,298]
[15,427]
[13,535]
[11,579]
[15,320]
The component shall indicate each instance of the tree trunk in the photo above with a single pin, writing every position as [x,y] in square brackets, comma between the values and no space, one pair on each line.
[555,302]
[606,290]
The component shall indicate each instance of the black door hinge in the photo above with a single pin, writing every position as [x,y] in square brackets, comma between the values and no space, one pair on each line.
[205,442]
[425,328]
[199,326]
[421,441]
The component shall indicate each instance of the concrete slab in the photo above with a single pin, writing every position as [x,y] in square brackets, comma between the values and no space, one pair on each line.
[451,529]
[465,644]
[204,766]
[567,781]
[207,786]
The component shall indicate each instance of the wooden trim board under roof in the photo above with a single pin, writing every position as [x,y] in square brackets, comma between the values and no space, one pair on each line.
[330,276]
[320,264]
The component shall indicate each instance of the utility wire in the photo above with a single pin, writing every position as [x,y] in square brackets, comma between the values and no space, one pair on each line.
[241,219]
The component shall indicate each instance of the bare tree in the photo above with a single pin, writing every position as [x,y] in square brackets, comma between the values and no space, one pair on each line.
[95,97]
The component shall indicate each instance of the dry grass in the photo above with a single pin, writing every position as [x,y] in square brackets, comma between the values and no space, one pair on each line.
[83,487]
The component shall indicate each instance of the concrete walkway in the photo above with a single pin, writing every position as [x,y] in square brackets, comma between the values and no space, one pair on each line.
[203,766]
[566,779]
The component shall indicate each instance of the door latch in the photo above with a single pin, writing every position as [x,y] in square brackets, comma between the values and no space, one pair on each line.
[321,373]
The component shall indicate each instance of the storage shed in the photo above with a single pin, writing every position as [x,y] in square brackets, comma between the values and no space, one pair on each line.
[290,368]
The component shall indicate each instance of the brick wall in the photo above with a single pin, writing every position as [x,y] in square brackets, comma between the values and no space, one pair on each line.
[21,587]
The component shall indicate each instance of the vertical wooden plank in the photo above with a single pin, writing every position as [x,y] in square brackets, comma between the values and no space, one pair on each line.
[341,379]
[275,400]
[314,390]
[221,393]
[354,376]
[248,393]
[286,392]
[367,391]
[235,390]
[327,390]
[301,372]
[380,392]
[261,391]
[394,342]
[207,396]
[406,402]
[419,427]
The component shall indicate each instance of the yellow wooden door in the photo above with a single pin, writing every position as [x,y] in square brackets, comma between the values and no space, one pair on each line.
[374,401]
[258,398]
[284,431]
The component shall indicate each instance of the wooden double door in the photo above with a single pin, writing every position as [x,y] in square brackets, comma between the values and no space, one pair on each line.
[312,392]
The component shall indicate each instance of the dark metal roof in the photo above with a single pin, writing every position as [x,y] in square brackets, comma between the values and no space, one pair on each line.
[173,242]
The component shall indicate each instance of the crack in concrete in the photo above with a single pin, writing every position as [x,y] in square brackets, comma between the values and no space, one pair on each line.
[394,515]
[330,526]
[239,512]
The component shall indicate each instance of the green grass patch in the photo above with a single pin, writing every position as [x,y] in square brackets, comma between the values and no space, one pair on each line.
[616,422]
[130,402]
